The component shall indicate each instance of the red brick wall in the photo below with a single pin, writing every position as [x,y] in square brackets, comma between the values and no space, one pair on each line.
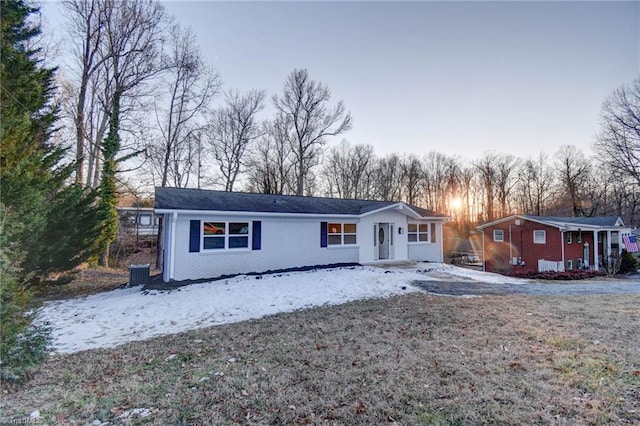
[522,245]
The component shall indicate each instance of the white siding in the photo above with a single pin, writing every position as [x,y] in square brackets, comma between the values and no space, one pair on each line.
[365,234]
[431,252]
[285,243]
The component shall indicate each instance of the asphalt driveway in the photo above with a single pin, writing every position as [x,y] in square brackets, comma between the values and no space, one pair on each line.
[462,288]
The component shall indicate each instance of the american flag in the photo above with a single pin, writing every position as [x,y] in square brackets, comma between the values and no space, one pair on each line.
[630,243]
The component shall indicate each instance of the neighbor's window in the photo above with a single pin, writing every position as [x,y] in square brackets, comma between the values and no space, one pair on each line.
[433,232]
[498,235]
[225,235]
[540,237]
[418,232]
[569,237]
[579,237]
[569,264]
[579,263]
[144,220]
[341,234]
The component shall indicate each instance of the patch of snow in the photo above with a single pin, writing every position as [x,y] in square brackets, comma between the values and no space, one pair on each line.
[124,315]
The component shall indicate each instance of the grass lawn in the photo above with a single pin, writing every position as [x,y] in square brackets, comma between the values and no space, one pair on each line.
[414,359]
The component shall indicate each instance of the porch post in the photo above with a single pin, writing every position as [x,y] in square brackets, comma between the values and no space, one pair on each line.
[596,265]
[608,245]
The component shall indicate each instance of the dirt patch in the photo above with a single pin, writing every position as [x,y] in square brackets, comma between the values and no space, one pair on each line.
[415,359]
[86,281]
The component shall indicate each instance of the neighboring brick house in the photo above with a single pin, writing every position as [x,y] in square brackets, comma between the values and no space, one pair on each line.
[543,243]
[207,234]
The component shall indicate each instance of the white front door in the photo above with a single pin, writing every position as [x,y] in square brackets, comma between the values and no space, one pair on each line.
[384,240]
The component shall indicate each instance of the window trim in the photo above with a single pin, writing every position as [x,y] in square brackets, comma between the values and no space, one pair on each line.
[418,233]
[226,236]
[342,234]
[544,235]
[501,239]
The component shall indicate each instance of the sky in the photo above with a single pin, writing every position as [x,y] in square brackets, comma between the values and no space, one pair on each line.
[459,78]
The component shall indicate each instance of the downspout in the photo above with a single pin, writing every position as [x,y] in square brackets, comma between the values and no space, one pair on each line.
[562,243]
[174,222]
[510,247]
[484,258]
[441,242]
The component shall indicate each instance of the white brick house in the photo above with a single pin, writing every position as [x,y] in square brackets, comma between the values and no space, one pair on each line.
[212,233]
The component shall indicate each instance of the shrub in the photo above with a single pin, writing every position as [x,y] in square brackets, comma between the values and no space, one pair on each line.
[574,274]
[22,344]
[629,263]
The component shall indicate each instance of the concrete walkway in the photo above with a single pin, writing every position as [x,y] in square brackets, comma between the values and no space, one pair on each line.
[462,288]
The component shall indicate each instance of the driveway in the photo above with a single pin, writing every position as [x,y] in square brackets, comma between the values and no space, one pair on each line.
[462,288]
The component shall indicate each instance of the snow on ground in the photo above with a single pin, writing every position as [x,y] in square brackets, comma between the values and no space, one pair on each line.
[124,315]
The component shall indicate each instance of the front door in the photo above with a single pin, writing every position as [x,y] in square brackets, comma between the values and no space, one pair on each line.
[383,241]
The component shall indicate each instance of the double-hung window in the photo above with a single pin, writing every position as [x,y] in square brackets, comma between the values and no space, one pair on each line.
[498,235]
[225,235]
[418,232]
[569,237]
[539,237]
[341,234]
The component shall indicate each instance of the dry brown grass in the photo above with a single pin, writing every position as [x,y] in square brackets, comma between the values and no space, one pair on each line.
[86,281]
[414,359]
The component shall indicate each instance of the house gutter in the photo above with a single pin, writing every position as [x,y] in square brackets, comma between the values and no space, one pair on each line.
[276,214]
[174,222]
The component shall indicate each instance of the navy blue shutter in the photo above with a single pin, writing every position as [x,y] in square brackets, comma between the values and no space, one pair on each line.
[194,236]
[323,234]
[257,235]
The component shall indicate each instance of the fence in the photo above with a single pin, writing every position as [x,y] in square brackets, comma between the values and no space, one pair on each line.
[550,265]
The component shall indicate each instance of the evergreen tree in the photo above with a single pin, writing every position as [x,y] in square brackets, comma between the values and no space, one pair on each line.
[51,226]
[108,192]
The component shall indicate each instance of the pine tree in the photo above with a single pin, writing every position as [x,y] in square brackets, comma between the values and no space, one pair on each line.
[51,226]
[108,192]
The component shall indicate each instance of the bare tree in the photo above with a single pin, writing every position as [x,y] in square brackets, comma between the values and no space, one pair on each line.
[86,19]
[303,107]
[536,184]
[486,167]
[133,31]
[388,173]
[231,131]
[189,85]
[413,177]
[270,163]
[619,138]
[440,179]
[506,180]
[573,170]
[348,171]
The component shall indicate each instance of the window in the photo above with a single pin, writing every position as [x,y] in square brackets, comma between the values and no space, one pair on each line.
[569,237]
[570,264]
[144,220]
[540,237]
[579,237]
[433,232]
[341,234]
[498,235]
[579,263]
[418,232]
[225,235]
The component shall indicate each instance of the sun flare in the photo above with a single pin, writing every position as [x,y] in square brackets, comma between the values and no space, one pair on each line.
[456,203]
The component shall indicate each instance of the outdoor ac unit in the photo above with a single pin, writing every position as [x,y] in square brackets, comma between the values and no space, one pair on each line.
[138,274]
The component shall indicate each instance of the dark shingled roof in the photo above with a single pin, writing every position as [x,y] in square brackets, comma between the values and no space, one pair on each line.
[200,199]
[590,221]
